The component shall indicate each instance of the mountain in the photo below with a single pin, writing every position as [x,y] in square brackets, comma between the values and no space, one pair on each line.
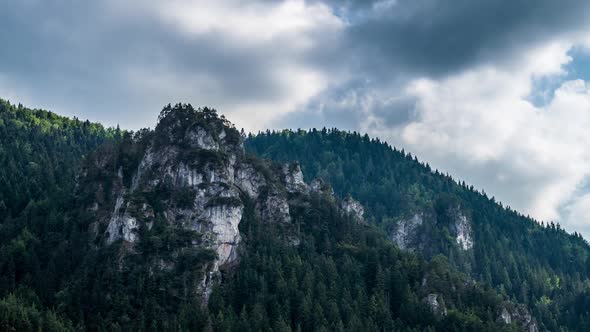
[180,216]
[35,145]
[427,212]
[189,227]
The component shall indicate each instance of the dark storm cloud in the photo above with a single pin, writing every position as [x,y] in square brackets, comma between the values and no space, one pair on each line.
[435,37]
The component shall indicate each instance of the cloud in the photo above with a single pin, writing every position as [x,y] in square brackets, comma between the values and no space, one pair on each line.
[121,61]
[490,91]
[348,105]
[480,126]
[433,37]
[578,214]
[484,90]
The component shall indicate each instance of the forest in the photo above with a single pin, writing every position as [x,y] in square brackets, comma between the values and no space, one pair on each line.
[536,264]
[343,275]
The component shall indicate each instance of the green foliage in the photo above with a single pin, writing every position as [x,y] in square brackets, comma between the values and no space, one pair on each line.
[175,121]
[40,154]
[513,253]
[22,314]
[342,276]
[323,271]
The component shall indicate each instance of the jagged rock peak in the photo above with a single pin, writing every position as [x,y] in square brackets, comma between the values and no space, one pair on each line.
[293,177]
[199,128]
[191,174]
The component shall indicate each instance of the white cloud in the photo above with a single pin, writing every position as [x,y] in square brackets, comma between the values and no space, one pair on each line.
[578,215]
[286,32]
[480,126]
[302,83]
[120,61]
[248,22]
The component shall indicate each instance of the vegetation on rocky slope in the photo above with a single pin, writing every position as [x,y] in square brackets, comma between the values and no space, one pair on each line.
[322,269]
[539,265]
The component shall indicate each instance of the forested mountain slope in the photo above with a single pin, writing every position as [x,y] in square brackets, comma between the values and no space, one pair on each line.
[40,153]
[425,211]
[178,229]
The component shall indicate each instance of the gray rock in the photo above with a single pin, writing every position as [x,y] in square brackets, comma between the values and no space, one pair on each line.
[293,178]
[249,180]
[518,314]
[505,317]
[121,225]
[275,208]
[200,138]
[461,228]
[352,207]
[405,232]
[202,179]
[318,186]
[436,304]
[408,233]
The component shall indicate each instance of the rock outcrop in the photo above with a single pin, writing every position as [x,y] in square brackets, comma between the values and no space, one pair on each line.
[353,208]
[192,173]
[406,232]
[293,178]
[436,304]
[461,228]
[415,232]
[318,186]
[517,314]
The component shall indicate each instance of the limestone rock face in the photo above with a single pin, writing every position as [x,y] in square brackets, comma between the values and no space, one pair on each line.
[192,173]
[121,225]
[354,208]
[318,186]
[462,230]
[197,171]
[519,314]
[405,234]
[293,178]
[200,138]
[505,316]
[274,208]
[249,180]
[415,232]
[436,305]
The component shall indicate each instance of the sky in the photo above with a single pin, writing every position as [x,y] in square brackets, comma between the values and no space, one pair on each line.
[494,92]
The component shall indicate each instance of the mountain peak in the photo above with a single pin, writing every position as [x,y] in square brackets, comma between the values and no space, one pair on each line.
[200,128]
[191,176]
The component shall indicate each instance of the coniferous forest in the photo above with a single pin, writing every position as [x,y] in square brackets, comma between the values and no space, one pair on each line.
[539,265]
[322,270]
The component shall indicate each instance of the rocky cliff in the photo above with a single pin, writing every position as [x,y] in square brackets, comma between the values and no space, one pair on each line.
[192,174]
[518,314]
[418,230]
